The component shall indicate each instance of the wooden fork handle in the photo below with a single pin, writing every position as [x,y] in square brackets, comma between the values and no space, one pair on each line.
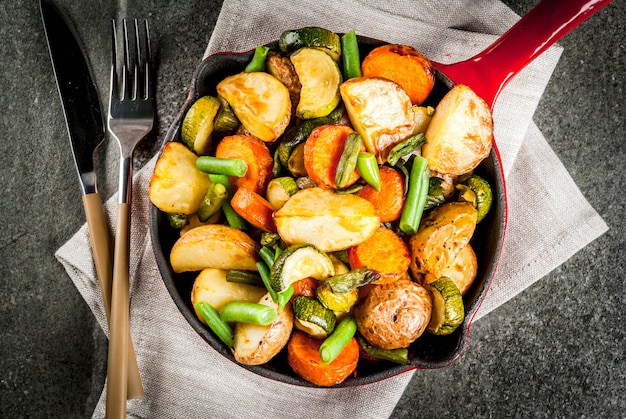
[118,340]
[101,249]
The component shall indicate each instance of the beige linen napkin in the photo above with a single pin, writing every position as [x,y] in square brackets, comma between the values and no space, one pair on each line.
[184,377]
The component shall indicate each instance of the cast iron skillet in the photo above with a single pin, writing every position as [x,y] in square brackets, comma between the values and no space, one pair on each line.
[487,73]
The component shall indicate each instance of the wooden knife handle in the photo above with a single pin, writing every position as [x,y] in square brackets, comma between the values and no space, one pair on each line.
[101,249]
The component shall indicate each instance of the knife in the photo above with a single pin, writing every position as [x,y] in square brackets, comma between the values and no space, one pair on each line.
[85,127]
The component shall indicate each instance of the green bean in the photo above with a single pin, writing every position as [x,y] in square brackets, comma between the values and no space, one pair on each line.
[350,55]
[406,147]
[216,165]
[284,296]
[399,356]
[277,253]
[338,339]
[212,318]
[355,278]
[258,59]
[267,255]
[243,277]
[247,312]
[216,195]
[367,167]
[347,161]
[264,271]
[223,179]
[234,220]
[416,196]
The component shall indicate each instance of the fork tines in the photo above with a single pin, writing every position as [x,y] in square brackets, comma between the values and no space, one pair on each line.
[133,64]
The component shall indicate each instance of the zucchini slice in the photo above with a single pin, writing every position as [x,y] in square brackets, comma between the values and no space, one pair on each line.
[476,190]
[339,302]
[312,37]
[312,317]
[226,122]
[298,262]
[448,310]
[320,77]
[197,125]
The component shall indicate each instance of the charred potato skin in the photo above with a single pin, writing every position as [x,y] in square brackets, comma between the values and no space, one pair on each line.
[394,315]
[282,68]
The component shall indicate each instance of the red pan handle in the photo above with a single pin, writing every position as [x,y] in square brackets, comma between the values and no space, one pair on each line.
[490,70]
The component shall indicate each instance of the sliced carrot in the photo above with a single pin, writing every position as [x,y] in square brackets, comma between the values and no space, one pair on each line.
[255,209]
[322,152]
[389,200]
[384,252]
[404,65]
[304,358]
[256,155]
[306,287]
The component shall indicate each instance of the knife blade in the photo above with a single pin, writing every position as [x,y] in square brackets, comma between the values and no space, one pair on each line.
[86,131]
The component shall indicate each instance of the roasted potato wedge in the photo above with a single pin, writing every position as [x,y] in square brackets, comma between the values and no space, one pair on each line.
[442,234]
[214,246]
[325,219]
[260,101]
[393,315]
[380,111]
[460,133]
[176,185]
[254,345]
[462,271]
[212,287]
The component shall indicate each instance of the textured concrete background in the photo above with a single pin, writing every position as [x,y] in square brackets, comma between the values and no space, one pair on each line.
[556,350]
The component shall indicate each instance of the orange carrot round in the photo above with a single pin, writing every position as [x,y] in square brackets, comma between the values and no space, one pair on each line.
[304,358]
[389,200]
[256,155]
[306,287]
[255,209]
[322,152]
[384,252]
[404,65]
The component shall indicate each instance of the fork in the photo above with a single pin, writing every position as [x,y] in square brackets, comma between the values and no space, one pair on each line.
[130,119]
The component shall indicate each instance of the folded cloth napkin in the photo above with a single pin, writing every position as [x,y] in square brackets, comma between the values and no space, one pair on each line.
[549,219]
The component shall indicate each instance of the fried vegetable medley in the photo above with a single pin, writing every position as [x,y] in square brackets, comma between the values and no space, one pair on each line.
[326,209]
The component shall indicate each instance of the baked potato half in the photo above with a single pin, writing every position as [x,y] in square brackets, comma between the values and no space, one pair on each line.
[443,233]
[212,287]
[460,133]
[254,344]
[325,219]
[176,185]
[214,246]
[394,315]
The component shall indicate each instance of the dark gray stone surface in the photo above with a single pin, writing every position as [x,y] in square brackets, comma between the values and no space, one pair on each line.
[556,350]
